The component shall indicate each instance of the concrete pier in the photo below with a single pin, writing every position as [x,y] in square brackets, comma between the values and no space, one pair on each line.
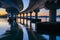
[20,18]
[23,18]
[30,21]
[12,18]
[27,19]
[52,18]
[52,15]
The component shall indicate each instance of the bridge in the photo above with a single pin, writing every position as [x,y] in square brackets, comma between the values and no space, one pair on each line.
[52,28]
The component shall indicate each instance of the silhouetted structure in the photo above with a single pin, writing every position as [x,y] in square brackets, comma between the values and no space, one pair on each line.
[16,6]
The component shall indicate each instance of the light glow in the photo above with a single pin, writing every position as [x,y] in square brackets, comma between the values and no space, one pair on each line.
[2,11]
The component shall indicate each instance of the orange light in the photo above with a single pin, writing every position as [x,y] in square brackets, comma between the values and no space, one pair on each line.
[43,14]
[2,12]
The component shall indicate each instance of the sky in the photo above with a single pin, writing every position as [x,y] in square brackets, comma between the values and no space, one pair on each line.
[2,11]
[43,12]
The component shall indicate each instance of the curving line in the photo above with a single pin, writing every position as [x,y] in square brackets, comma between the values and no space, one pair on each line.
[26,4]
[25,33]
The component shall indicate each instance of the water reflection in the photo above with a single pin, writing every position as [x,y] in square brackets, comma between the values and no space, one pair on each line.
[4,25]
[43,20]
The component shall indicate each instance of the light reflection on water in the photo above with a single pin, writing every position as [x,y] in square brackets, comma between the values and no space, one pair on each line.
[4,25]
[43,20]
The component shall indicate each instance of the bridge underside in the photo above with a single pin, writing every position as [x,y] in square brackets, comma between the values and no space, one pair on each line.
[11,3]
[14,6]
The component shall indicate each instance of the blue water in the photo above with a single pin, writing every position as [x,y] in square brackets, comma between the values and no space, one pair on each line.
[4,25]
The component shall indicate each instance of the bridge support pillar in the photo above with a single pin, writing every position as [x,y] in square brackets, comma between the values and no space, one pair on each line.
[52,37]
[52,15]
[30,19]
[12,18]
[20,18]
[36,15]
[26,19]
[52,6]
[23,18]
[52,18]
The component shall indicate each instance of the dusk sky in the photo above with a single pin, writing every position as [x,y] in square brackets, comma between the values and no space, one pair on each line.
[26,4]
[43,12]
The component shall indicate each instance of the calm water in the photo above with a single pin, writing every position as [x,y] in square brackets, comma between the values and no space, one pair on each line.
[4,25]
